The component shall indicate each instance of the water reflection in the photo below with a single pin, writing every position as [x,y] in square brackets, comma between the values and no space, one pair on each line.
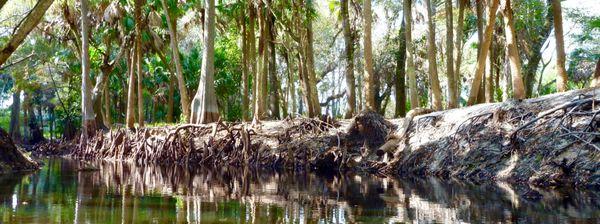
[67,191]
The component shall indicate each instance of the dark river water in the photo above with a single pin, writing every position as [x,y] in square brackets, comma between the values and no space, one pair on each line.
[67,191]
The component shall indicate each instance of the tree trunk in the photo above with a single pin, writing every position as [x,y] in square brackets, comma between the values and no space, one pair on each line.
[31,20]
[370,84]
[452,91]
[489,75]
[252,68]
[183,91]
[485,46]
[262,69]
[480,11]
[107,114]
[596,77]
[410,66]
[170,100]
[513,52]
[399,80]
[534,54]
[87,110]
[561,73]
[138,39]
[204,105]
[431,55]
[310,65]
[291,82]
[14,128]
[245,68]
[131,92]
[459,46]
[349,56]
[273,80]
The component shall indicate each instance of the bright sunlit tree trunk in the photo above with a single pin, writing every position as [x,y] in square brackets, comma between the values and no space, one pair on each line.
[513,52]
[561,72]
[484,50]
[87,110]
[368,65]
[436,90]
[204,106]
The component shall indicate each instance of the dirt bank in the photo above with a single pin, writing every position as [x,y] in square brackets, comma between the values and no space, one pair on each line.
[547,141]
[11,158]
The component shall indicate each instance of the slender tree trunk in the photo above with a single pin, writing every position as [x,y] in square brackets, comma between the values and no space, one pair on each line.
[14,129]
[370,84]
[87,110]
[131,92]
[349,56]
[204,105]
[273,80]
[459,46]
[489,75]
[2,2]
[252,68]
[245,69]
[183,91]
[410,66]
[310,65]
[534,55]
[561,74]
[107,114]
[513,52]
[262,69]
[170,100]
[22,31]
[291,82]
[596,77]
[452,91]
[138,39]
[436,90]
[480,11]
[399,81]
[485,46]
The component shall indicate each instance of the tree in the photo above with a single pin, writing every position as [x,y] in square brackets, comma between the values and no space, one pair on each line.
[204,105]
[131,91]
[260,85]
[431,56]
[349,56]
[310,64]
[14,129]
[138,59]
[452,87]
[20,33]
[368,66]
[183,92]
[561,76]
[484,50]
[513,52]
[459,45]
[537,30]
[252,68]
[410,64]
[87,110]
[596,76]
[273,80]
[400,79]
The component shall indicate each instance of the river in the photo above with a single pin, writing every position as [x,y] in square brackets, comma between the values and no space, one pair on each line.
[68,191]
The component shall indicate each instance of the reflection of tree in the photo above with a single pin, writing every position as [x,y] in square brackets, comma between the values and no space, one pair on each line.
[122,192]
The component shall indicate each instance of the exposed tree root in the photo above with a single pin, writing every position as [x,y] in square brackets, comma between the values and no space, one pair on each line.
[549,141]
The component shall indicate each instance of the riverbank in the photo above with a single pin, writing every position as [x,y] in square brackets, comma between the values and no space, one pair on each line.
[548,141]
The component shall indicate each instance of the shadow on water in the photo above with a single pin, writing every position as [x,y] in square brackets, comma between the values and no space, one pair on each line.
[68,191]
